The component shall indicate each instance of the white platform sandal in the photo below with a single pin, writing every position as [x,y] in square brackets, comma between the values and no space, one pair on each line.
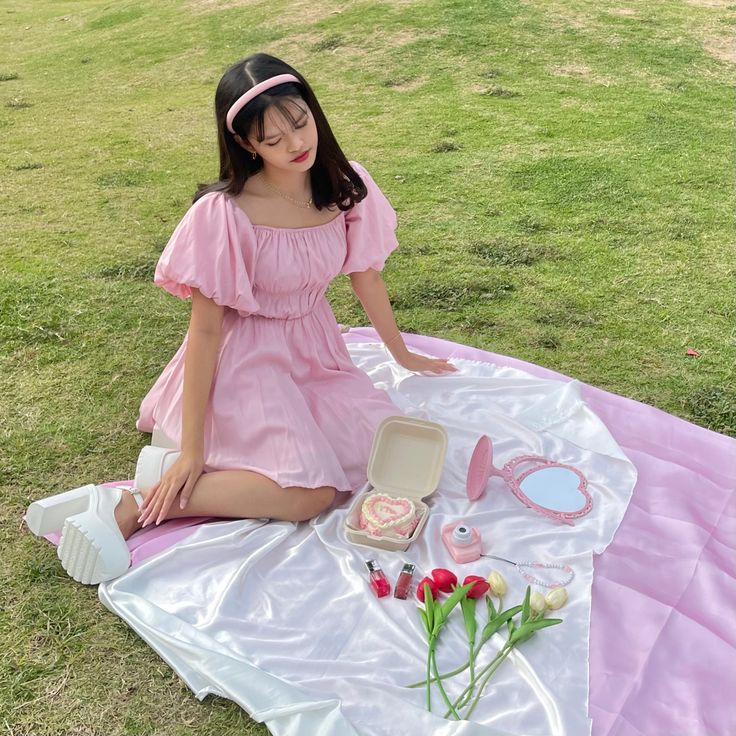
[47,515]
[92,548]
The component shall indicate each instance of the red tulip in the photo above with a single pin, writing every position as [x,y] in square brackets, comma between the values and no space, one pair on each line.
[445,579]
[432,589]
[480,588]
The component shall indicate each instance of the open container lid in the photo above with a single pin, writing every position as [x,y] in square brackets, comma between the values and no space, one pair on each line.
[407,456]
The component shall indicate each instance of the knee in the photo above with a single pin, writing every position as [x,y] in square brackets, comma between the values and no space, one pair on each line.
[310,502]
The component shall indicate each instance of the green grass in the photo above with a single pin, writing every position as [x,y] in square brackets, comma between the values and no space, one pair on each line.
[563,175]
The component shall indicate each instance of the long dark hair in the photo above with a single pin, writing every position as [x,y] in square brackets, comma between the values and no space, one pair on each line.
[333,179]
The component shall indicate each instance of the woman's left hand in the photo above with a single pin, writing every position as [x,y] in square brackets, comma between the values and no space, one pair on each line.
[420,363]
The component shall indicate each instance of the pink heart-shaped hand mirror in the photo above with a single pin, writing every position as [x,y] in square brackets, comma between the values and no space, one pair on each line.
[556,490]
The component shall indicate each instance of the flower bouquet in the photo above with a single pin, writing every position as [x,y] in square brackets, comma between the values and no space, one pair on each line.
[434,615]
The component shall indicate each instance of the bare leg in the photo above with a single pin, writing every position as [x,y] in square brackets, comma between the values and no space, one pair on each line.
[236,494]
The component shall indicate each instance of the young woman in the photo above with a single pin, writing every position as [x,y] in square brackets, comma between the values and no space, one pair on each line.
[269,413]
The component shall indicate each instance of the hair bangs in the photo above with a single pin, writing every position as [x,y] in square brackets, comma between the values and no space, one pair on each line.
[290,110]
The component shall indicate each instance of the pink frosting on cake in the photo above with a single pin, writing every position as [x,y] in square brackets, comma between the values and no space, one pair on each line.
[382,515]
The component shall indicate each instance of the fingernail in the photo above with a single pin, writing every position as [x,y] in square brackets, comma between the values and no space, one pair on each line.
[182,504]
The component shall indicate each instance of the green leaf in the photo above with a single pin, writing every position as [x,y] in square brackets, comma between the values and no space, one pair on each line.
[439,619]
[544,623]
[429,606]
[457,595]
[491,608]
[519,638]
[511,627]
[423,616]
[498,621]
[468,606]
[526,608]
[523,632]
[527,630]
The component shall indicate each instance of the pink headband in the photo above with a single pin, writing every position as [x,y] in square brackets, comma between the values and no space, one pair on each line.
[243,100]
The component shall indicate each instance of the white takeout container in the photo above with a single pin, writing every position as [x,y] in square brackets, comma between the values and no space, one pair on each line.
[406,461]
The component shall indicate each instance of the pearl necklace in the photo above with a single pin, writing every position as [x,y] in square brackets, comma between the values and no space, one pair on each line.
[298,203]
[522,568]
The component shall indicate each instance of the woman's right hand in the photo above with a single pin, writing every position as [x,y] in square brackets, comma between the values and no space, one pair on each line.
[181,476]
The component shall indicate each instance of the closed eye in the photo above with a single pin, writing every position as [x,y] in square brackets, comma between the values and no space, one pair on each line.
[303,125]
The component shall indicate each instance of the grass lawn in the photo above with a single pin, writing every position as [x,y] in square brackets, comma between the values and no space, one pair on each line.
[563,175]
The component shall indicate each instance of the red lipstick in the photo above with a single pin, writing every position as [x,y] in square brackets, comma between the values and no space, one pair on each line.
[301,158]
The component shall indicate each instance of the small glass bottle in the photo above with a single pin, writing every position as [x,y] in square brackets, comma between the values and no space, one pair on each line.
[379,582]
[403,583]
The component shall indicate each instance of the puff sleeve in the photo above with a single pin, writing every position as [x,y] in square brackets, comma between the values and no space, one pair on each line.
[370,227]
[209,252]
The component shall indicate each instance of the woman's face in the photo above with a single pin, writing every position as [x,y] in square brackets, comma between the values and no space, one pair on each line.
[283,141]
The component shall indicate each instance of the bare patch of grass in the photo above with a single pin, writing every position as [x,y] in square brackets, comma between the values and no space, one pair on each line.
[722,48]
[571,70]
[579,70]
[290,15]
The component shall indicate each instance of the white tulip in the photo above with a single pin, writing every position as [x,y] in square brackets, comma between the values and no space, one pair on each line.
[556,598]
[537,602]
[497,583]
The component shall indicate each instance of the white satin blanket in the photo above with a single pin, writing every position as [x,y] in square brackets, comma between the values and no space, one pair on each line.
[279,617]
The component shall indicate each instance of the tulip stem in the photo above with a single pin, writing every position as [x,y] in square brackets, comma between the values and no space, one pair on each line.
[493,668]
[442,689]
[429,673]
[463,701]
[497,659]
[457,671]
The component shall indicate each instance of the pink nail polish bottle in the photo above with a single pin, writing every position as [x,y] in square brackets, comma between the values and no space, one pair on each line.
[403,584]
[379,582]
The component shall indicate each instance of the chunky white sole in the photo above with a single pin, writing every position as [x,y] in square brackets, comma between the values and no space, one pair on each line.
[92,548]
[47,515]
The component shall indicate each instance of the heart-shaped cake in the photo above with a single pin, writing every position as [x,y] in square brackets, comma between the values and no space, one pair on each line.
[382,515]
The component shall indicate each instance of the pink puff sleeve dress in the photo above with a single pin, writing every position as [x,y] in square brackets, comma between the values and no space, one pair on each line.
[286,399]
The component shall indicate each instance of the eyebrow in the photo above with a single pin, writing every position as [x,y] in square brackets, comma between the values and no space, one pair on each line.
[276,135]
